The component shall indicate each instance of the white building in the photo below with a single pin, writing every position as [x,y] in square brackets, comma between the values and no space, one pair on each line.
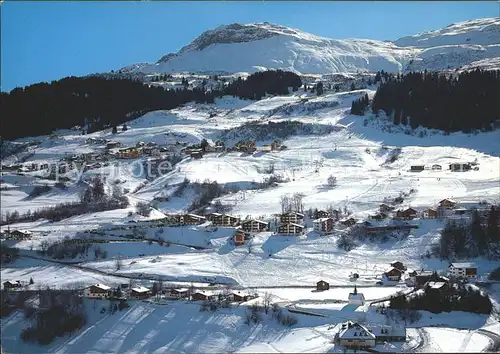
[356,298]
[97,291]
[354,335]
[323,226]
[463,270]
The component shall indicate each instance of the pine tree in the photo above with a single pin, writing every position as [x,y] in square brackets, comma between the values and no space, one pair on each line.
[319,88]
[492,229]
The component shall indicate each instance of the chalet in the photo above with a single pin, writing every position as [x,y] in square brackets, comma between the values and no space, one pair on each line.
[406,214]
[318,214]
[20,235]
[439,286]
[178,293]
[97,291]
[398,265]
[356,298]
[246,146]
[129,153]
[385,333]
[276,145]
[429,213]
[113,144]
[460,167]
[462,211]
[422,277]
[191,219]
[448,203]
[323,226]
[265,148]
[237,297]
[202,295]
[239,238]
[417,168]
[378,216]
[139,292]
[290,229]
[223,219]
[254,225]
[196,154]
[385,209]
[348,222]
[9,285]
[322,285]
[393,274]
[151,151]
[292,217]
[463,270]
[353,335]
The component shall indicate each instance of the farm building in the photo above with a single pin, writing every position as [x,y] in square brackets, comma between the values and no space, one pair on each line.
[417,168]
[398,265]
[322,285]
[406,214]
[385,333]
[113,144]
[139,292]
[254,225]
[19,235]
[385,209]
[178,293]
[323,226]
[291,229]
[448,203]
[429,213]
[460,167]
[9,285]
[97,291]
[437,167]
[393,274]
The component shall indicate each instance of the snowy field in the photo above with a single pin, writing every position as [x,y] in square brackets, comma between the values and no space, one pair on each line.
[357,154]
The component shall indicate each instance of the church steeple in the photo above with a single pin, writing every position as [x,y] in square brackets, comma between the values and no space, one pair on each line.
[355,290]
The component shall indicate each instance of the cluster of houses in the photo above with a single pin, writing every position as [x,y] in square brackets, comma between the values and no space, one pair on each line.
[454,167]
[246,146]
[18,234]
[102,291]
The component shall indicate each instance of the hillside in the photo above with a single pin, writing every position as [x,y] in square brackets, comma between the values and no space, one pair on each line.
[260,46]
[322,138]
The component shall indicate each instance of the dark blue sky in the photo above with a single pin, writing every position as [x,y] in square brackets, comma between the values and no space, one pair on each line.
[44,41]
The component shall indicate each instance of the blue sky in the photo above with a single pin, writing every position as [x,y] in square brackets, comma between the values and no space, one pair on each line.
[44,41]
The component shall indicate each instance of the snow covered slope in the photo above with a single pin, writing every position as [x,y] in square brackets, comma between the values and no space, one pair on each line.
[259,46]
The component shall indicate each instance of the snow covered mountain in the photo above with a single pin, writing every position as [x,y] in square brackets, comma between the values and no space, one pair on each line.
[260,46]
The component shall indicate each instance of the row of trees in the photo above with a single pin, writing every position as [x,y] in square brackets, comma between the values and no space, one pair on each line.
[358,107]
[97,102]
[466,102]
[92,199]
[480,238]
[458,298]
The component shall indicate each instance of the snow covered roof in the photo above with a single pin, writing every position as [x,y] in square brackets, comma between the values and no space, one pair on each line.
[26,232]
[353,330]
[140,289]
[320,220]
[254,220]
[181,290]
[391,269]
[196,216]
[463,265]
[297,225]
[436,284]
[358,296]
[389,331]
[101,286]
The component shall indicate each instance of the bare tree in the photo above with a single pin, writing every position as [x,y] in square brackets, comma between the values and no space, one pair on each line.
[118,263]
[332,181]
[297,203]
[266,301]
[285,203]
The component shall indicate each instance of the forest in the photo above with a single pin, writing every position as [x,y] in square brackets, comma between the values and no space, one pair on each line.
[96,102]
[465,102]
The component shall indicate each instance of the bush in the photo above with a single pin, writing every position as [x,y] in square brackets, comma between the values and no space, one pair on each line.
[38,191]
[288,320]
[143,209]
[332,181]
[495,274]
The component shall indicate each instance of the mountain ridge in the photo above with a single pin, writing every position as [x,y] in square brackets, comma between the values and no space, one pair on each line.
[259,46]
